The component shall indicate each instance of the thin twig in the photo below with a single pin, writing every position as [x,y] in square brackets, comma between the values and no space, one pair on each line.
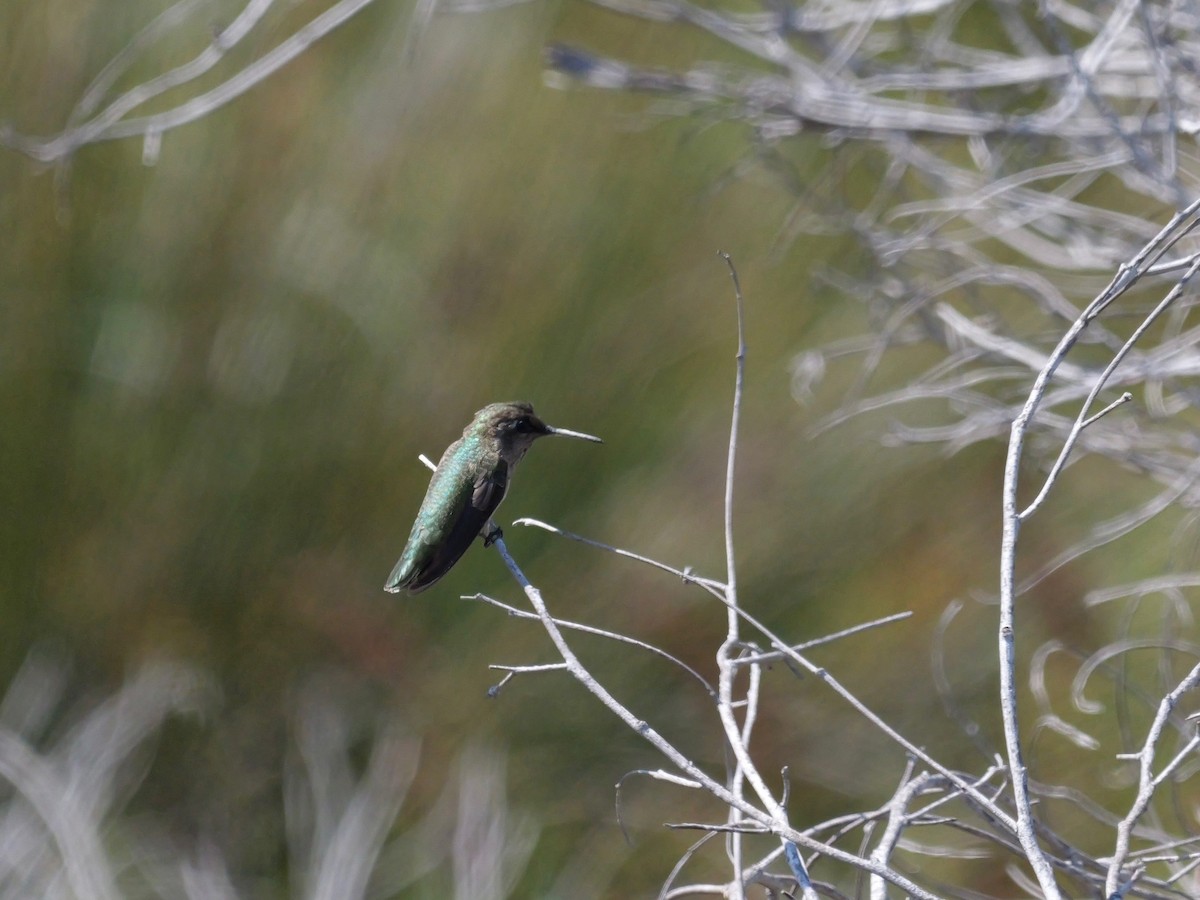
[678,759]
[1147,780]
[111,122]
[774,656]
[604,633]
[1013,518]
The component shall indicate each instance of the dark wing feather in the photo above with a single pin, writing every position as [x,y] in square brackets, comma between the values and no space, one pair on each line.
[488,492]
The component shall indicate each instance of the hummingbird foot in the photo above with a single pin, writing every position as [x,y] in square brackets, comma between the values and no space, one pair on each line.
[491,533]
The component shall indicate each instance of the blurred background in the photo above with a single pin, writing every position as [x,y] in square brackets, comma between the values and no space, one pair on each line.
[217,372]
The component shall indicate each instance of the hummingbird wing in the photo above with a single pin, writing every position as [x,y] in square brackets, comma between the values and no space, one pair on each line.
[424,561]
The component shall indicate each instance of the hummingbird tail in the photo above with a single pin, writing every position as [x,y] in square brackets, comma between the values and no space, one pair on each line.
[399,578]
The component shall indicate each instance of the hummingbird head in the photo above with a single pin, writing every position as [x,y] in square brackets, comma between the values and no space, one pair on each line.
[514,427]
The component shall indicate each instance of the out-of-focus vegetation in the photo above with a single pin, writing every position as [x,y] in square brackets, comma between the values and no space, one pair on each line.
[217,371]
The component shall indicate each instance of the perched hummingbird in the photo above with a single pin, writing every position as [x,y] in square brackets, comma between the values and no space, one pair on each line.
[471,480]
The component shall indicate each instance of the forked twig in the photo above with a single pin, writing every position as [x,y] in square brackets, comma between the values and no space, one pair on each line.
[1148,782]
[678,759]
[1013,516]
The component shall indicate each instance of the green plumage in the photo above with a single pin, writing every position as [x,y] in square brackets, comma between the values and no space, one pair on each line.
[471,480]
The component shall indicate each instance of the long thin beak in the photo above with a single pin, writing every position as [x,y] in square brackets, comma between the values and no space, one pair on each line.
[575,434]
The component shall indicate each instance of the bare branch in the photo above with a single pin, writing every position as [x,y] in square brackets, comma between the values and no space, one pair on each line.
[1148,781]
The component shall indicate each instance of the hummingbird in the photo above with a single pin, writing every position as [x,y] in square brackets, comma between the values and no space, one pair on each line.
[471,480]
